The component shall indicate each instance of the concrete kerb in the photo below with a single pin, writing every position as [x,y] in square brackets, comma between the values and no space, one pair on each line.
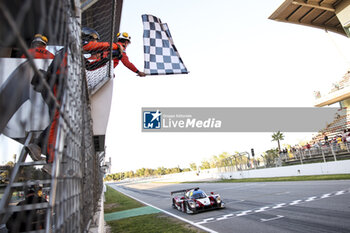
[98,223]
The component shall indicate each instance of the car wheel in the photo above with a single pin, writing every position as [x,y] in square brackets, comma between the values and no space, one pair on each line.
[173,205]
[222,204]
[188,210]
[184,207]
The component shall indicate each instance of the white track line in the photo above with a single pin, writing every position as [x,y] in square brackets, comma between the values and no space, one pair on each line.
[168,213]
[295,202]
[205,221]
[326,195]
[339,193]
[279,205]
[261,209]
[310,199]
[224,217]
[244,213]
[270,219]
[276,206]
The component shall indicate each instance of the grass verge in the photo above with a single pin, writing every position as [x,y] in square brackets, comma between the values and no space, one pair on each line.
[158,222]
[115,201]
[288,178]
[151,223]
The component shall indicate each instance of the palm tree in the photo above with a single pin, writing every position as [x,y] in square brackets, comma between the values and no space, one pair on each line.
[278,137]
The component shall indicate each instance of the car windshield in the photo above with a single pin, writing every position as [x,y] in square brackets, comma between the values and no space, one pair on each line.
[198,194]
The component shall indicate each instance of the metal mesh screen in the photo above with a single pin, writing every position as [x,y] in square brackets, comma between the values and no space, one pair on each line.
[55,182]
[95,18]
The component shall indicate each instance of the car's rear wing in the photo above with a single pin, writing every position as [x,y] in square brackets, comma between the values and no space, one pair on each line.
[182,191]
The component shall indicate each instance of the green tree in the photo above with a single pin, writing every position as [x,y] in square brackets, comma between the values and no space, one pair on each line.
[167,170]
[224,160]
[205,165]
[160,171]
[193,166]
[270,157]
[278,137]
[10,163]
[140,172]
[4,176]
[115,176]
[176,170]
[214,161]
[148,172]
[129,174]
[108,177]
[119,176]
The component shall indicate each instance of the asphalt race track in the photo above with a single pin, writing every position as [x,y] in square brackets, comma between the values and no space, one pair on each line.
[303,206]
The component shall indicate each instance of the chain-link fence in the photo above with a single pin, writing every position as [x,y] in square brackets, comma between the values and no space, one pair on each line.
[45,96]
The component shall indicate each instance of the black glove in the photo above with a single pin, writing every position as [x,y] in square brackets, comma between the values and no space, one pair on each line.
[118,53]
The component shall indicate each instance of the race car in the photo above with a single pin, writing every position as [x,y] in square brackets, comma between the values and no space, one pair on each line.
[195,200]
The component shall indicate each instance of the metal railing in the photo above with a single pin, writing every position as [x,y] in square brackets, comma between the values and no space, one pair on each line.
[332,151]
[237,162]
[328,152]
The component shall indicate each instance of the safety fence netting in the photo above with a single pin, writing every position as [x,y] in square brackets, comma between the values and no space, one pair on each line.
[97,34]
[50,172]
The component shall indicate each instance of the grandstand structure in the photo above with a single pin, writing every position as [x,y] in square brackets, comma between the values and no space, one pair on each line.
[329,15]
[56,105]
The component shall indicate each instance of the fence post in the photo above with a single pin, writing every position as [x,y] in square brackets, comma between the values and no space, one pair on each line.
[254,161]
[300,156]
[236,163]
[335,158]
[324,158]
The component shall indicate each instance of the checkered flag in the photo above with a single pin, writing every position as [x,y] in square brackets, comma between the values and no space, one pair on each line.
[161,55]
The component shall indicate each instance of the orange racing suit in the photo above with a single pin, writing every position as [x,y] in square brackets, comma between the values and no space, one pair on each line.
[59,71]
[124,59]
[99,53]
[39,52]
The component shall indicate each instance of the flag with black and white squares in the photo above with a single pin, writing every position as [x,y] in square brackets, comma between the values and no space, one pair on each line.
[161,55]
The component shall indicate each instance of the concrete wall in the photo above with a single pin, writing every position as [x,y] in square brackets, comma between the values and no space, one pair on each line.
[336,167]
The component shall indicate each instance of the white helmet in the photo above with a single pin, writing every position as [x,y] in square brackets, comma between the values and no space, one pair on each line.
[40,38]
[123,36]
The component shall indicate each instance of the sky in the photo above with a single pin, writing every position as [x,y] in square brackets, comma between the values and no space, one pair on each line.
[237,57]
